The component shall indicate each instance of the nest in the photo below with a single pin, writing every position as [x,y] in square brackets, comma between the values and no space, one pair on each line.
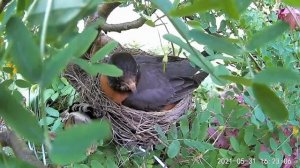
[130,127]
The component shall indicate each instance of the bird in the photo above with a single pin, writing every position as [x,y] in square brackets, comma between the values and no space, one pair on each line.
[148,83]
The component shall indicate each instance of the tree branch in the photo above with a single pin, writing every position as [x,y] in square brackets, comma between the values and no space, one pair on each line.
[105,10]
[102,12]
[9,138]
[123,26]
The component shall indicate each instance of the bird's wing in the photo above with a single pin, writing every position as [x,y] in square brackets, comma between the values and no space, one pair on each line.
[153,90]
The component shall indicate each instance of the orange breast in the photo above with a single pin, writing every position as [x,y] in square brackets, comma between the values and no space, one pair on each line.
[168,107]
[115,96]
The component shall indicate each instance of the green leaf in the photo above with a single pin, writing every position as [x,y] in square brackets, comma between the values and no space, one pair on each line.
[70,145]
[198,60]
[176,40]
[294,3]
[214,105]
[47,94]
[270,103]
[96,164]
[57,123]
[6,83]
[11,162]
[62,12]
[66,90]
[166,6]
[279,159]
[57,62]
[200,146]
[237,79]
[181,27]
[49,121]
[216,43]
[195,128]
[173,132]
[161,134]
[52,112]
[23,5]
[266,35]
[273,144]
[19,118]
[24,50]
[54,96]
[249,132]
[204,116]
[219,71]
[184,126]
[233,8]
[278,74]
[243,5]
[111,163]
[150,23]
[102,68]
[196,6]
[287,149]
[80,166]
[22,83]
[203,131]
[195,24]
[108,48]
[235,144]
[260,116]
[173,149]
[10,11]
[8,70]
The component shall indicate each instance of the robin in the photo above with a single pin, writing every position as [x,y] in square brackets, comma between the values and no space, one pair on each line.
[149,85]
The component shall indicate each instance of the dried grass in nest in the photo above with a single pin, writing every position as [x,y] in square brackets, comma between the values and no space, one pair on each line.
[130,127]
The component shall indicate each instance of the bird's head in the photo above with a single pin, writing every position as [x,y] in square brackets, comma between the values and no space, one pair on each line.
[128,81]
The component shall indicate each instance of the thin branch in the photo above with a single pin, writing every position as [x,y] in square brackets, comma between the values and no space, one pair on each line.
[21,150]
[123,26]
[164,24]
[255,62]
[159,17]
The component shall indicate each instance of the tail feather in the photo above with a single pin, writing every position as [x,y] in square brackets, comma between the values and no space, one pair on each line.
[199,77]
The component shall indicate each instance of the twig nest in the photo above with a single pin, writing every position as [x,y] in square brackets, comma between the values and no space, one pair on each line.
[130,127]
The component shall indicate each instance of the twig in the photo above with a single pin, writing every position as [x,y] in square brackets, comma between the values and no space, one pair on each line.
[159,17]
[255,62]
[164,24]
[155,157]
[123,26]
[21,150]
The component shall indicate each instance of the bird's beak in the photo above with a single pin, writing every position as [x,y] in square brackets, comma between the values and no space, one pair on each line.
[132,85]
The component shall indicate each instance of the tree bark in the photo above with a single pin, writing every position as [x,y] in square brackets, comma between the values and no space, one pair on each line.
[21,150]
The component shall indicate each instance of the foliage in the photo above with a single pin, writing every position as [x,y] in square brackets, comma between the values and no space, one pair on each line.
[253,123]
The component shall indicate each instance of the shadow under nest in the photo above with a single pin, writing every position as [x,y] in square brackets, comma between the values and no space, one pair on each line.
[131,128]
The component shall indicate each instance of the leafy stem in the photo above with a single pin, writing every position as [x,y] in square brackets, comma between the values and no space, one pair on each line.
[44,27]
[42,52]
